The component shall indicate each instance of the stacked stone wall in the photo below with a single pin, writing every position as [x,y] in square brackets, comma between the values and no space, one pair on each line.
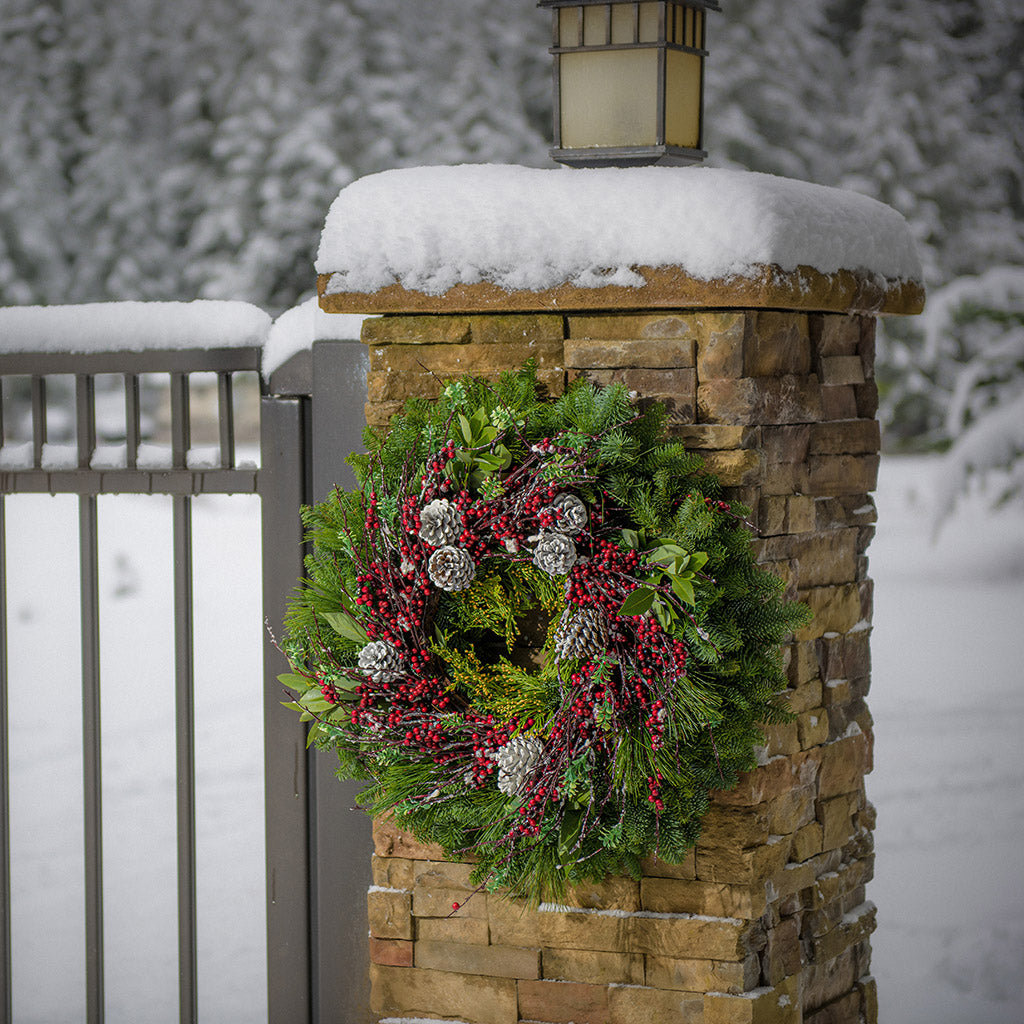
[767,922]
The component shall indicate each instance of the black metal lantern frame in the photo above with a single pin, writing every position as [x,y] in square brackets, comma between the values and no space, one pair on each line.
[628,81]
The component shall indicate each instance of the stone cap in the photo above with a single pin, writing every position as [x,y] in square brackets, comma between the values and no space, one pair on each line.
[486,238]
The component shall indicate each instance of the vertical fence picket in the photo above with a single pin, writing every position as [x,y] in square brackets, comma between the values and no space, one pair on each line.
[184,689]
[6,1012]
[132,418]
[226,420]
[38,418]
[88,546]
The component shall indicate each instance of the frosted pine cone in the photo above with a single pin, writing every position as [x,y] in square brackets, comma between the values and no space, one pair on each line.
[581,633]
[451,568]
[555,553]
[440,523]
[381,662]
[570,514]
[516,761]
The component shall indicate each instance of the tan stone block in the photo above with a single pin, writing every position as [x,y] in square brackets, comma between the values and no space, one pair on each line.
[836,817]
[718,436]
[854,927]
[781,738]
[447,360]
[784,478]
[771,515]
[837,335]
[845,510]
[824,559]
[777,343]
[778,1005]
[803,669]
[652,326]
[389,913]
[516,328]
[657,868]
[821,921]
[836,609]
[791,811]
[734,468]
[840,437]
[513,925]
[675,389]
[805,696]
[413,992]
[762,783]
[378,414]
[801,515]
[868,990]
[687,937]
[837,370]
[431,901]
[807,841]
[786,443]
[713,899]
[442,874]
[839,403]
[452,929]
[845,1010]
[416,330]
[793,878]
[594,966]
[669,353]
[844,765]
[825,982]
[867,399]
[759,400]
[813,727]
[489,961]
[720,345]
[393,952]
[703,975]
[614,893]
[631,1004]
[563,1002]
[734,827]
[742,866]
[390,841]
[392,872]
[782,956]
[842,474]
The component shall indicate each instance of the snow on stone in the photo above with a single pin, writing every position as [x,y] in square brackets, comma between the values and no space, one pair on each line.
[132,326]
[430,228]
[297,328]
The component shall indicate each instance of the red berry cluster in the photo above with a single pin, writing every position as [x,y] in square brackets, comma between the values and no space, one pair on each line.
[605,581]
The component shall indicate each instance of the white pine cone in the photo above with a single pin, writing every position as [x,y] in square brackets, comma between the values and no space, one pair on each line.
[381,662]
[516,761]
[440,523]
[581,633]
[555,553]
[570,514]
[451,568]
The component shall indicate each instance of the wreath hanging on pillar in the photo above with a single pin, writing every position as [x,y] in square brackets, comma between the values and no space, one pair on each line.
[537,631]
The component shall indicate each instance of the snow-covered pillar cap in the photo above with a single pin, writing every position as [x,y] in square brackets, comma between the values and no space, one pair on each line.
[479,238]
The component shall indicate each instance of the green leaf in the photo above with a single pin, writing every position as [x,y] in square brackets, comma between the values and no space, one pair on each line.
[569,832]
[467,429]
[667,553]
[291,705]
[631,539]
[662,614]
[639,602]
[344,625]
[683,590]
[698,560]
[294,681]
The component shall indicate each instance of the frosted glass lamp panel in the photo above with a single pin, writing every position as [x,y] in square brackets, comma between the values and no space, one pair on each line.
[609,98]
[595,25]
[649,22]
[698,30]
[623,24]
[682,99]
[569,26]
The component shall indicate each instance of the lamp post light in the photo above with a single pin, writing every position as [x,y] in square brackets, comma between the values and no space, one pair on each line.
[629,81]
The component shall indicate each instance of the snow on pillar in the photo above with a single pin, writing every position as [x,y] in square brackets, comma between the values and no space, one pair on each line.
[746,303]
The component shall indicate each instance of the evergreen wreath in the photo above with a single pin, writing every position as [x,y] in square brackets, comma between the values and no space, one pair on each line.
[538,631]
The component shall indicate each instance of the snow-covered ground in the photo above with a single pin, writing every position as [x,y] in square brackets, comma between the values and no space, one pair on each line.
[947,696]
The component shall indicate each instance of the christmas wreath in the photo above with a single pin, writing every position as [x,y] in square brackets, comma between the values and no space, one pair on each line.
[538,631]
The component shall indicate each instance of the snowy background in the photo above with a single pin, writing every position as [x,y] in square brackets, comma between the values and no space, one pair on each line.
[947,697]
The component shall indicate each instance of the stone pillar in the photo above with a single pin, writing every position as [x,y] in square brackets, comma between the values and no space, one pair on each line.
[768,919]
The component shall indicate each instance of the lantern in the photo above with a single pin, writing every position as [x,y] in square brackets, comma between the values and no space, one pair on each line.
[629,81]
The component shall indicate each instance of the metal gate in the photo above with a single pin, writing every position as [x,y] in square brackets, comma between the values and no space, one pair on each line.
[317,849]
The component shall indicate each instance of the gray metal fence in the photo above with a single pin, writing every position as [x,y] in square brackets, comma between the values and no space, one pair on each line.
[317,862]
